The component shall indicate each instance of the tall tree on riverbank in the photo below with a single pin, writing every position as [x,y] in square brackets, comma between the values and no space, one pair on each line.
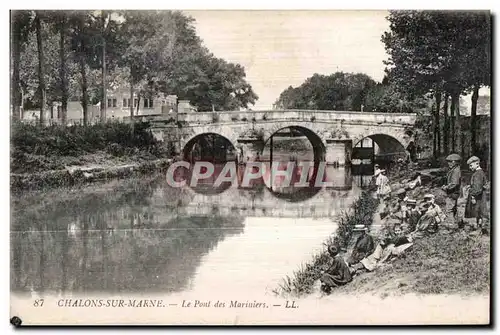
[80,45]
[41,67]
[441,53]
[100,45]
[20,28]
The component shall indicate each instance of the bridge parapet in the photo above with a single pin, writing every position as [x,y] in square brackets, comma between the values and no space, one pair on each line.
[303,115]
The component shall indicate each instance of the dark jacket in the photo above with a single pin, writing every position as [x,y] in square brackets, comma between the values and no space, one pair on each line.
[477,185]
[453,179]
[338,274]
[363,247]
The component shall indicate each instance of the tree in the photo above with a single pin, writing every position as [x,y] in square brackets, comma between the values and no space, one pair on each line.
[442,53]
[338,91]
[80,37]
[21,26]
[385,98]
[85,52]
[41,64]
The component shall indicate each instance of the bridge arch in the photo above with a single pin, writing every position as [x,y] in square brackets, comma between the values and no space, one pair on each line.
[319,148]
[389,147]
[197,138]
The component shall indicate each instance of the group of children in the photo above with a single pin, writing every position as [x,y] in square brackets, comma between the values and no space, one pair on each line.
[404,220]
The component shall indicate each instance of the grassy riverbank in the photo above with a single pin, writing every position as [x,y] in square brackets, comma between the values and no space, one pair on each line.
[444,263]
[57,156]
[37,149]
[301,282]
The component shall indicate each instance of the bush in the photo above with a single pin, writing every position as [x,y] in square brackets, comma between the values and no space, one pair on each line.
[35,142]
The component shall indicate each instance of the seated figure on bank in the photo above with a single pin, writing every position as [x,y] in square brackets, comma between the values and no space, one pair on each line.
[338,273]
[427,224]
[391,244]
[363,247]
[412,216]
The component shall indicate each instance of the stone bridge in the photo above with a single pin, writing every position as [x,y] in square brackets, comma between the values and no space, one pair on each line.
[332,134]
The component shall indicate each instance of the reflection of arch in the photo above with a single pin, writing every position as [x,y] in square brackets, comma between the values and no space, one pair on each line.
[200,138]
[292,194]
[316,142]
[389,147]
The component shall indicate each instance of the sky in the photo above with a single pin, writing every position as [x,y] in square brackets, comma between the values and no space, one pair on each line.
[283,48]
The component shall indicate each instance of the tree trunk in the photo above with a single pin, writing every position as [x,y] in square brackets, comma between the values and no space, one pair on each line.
[41,64]
[473,120]
[16,55]
[458,127]
[446,128]
[434,136]
[104,83]
[62,71]
[452,121]
[83,73]
[437,134]
[138,104]
[131,107]
[85,97]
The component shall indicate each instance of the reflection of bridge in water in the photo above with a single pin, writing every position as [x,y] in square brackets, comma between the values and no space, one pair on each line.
[281,202]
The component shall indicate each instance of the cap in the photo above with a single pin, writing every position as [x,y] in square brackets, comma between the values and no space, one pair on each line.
[411,202]
[453,157]
[429,196]
[472,160]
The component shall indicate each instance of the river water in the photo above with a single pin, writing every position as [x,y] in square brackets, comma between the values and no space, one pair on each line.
[145,236]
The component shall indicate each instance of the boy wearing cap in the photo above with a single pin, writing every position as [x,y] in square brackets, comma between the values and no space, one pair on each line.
[412,215]
[383,187]
[434,209]
[452,189]
[363,247]
[426,224]
[475,205]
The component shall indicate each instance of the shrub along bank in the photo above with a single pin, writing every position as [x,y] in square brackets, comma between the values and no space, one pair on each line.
[56,155]
[35,148]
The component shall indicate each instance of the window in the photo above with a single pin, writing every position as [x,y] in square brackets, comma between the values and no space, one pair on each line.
[148,103]
[112,102]
[126,103]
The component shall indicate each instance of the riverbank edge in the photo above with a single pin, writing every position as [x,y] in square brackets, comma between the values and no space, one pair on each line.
[80,176]
[301,282]
[462,243]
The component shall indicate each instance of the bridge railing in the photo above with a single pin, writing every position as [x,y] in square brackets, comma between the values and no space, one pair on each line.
[303,115]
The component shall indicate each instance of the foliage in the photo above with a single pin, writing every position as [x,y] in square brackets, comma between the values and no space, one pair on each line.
[439,52]
[39,148]
[386,98]
[338,91]
[158,52]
